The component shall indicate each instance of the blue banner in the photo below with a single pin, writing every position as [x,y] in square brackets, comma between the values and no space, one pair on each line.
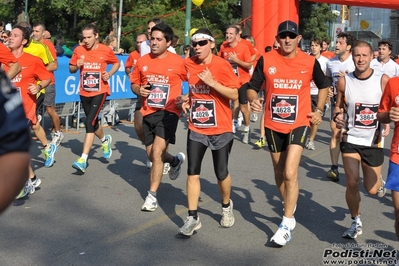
[67,84]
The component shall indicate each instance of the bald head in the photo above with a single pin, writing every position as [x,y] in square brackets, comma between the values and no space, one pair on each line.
[46,35]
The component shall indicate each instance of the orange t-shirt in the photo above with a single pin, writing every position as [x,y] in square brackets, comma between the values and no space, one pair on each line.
[287,99]
[166,76]
[32,70]
[95,63]
[390,98]
[53,52]
[252,50]
[210,112]
[243,54]
[132,59]
[328,54]
[6,57]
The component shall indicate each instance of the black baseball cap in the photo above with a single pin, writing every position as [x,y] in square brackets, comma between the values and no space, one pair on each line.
[288,26]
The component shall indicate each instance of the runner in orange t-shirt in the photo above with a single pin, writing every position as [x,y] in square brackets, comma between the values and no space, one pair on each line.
[287,73]
[324,49]
[92,59]
[239,56]
[32,78]
[130,63]
[212,85]
[8,59]
[157,77]
[388,112]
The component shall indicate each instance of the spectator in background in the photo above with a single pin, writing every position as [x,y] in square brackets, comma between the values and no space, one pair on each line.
[1,26]
[80,41]
[112,42]
[375,54]
[5,35]
[60,46]
[186,51]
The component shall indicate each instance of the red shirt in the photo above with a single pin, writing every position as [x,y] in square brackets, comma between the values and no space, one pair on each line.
[328,54]
[95,63]
[243,54]
[132,59]
[287,81]
[6,57]
[166,76]
[210,112]
[32,70]
[53,52]
[390,98]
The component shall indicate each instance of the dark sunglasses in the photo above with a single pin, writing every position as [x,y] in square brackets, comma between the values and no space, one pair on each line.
[289,34]
[200,43]
[4,36]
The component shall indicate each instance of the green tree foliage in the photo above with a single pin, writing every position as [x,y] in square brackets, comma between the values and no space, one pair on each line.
[314,20]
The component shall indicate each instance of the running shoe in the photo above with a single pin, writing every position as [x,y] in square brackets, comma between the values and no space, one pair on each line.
[49,154]
[190,225]
[28,188]
[227,216]
[174,172]
[36,181]
[106,146]
[382,190]
[310,145]
[80,164]
[254,117]
[57,138]
[282,236]
[150,203]
[260,143]
[333,174]
[246,136]
[166,168]
[148,163]
[354,231]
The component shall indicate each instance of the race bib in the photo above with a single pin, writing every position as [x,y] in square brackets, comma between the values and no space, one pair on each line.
[158,96]
[203,113]
[284,108]
[235,69]
[91,80]
[366,115]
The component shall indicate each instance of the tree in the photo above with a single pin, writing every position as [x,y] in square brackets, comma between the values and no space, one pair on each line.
[314,20]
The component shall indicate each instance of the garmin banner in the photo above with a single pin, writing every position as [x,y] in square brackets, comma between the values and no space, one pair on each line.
[67,84]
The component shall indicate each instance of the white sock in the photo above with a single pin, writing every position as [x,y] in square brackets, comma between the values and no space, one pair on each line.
[84,156]
[289,222]
[246,128]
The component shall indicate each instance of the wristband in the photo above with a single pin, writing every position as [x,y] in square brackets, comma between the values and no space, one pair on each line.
[318,110]
[40,86]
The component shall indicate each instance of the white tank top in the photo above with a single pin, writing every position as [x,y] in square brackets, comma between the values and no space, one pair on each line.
[362,97]
[334,66]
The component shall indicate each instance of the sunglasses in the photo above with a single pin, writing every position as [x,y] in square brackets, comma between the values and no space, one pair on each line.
[4,36]
[200,43]
[289,34]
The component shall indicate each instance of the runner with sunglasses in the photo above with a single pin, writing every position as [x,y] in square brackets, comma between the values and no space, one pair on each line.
[212,86]
[287,73]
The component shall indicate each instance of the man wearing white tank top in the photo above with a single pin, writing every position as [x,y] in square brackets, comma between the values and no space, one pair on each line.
[383,62]
[361,134]
[337,67]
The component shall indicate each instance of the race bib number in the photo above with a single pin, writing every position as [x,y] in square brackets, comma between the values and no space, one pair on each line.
[203,113]
[366,115]
[158,96]
[91,80]
[284,108]
[235,69]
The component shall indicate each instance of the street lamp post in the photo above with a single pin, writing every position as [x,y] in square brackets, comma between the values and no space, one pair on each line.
[26,11]
[358,23]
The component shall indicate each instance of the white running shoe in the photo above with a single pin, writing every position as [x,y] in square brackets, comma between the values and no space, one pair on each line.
[254,117]
[382,190]
[282,236]
[166,168]
[57,138]
[150,203]
[190,225]
[227,216]
[354,231]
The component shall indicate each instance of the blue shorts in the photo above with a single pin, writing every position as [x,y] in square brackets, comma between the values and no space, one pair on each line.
[393,177]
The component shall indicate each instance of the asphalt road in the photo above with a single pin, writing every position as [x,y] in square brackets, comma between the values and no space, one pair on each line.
[95,218]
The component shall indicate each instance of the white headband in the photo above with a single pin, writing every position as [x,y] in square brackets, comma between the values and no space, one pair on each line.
[202,36]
